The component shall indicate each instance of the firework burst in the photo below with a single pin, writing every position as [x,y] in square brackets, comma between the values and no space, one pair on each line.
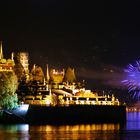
[132,81]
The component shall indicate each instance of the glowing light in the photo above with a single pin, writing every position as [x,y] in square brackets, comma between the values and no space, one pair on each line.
[132,81]
[24,107]
[48,102]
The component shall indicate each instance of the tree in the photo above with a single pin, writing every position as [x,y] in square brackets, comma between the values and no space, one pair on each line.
[20,72]
[37,74]
[8,87]
[70,75]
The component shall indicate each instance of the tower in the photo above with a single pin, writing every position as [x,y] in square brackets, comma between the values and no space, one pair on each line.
[12,56]
[47,74]
[24,58]
[1,50]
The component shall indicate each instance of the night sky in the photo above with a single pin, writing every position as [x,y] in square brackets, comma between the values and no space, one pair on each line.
[80,34]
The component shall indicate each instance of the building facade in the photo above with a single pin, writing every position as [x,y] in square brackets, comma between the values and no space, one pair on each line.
[5,64]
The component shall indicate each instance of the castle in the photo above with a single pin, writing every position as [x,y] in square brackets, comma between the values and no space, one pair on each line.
[57,88]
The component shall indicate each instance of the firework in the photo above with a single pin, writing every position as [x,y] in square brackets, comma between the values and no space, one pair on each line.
[132,81]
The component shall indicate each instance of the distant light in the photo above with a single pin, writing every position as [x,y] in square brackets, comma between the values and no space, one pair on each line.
[111,71]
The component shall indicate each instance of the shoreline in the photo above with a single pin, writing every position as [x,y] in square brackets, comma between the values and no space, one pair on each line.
[73,114]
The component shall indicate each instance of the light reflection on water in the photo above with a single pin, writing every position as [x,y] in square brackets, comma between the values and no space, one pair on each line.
[128,131]
[45,132]
[70,132]
[133,121]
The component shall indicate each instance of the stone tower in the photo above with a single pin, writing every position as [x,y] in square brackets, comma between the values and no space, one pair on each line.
[24,58]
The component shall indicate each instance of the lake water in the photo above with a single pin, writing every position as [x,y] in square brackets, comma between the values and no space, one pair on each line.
[128,131]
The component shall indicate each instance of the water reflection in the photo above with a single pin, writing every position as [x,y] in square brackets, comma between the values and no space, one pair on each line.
[14,132]
[14,128]
[130,131]
[45,132]
[94,131]
[87,127]
[133,121]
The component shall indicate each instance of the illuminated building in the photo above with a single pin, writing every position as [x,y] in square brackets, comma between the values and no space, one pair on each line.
[24,58]
[57,92]
[5,64]
[57,76]
[41,96]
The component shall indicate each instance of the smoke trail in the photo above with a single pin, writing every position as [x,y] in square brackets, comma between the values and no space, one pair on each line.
[108,75]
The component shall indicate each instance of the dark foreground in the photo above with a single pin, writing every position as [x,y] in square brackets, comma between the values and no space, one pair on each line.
[78,114]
